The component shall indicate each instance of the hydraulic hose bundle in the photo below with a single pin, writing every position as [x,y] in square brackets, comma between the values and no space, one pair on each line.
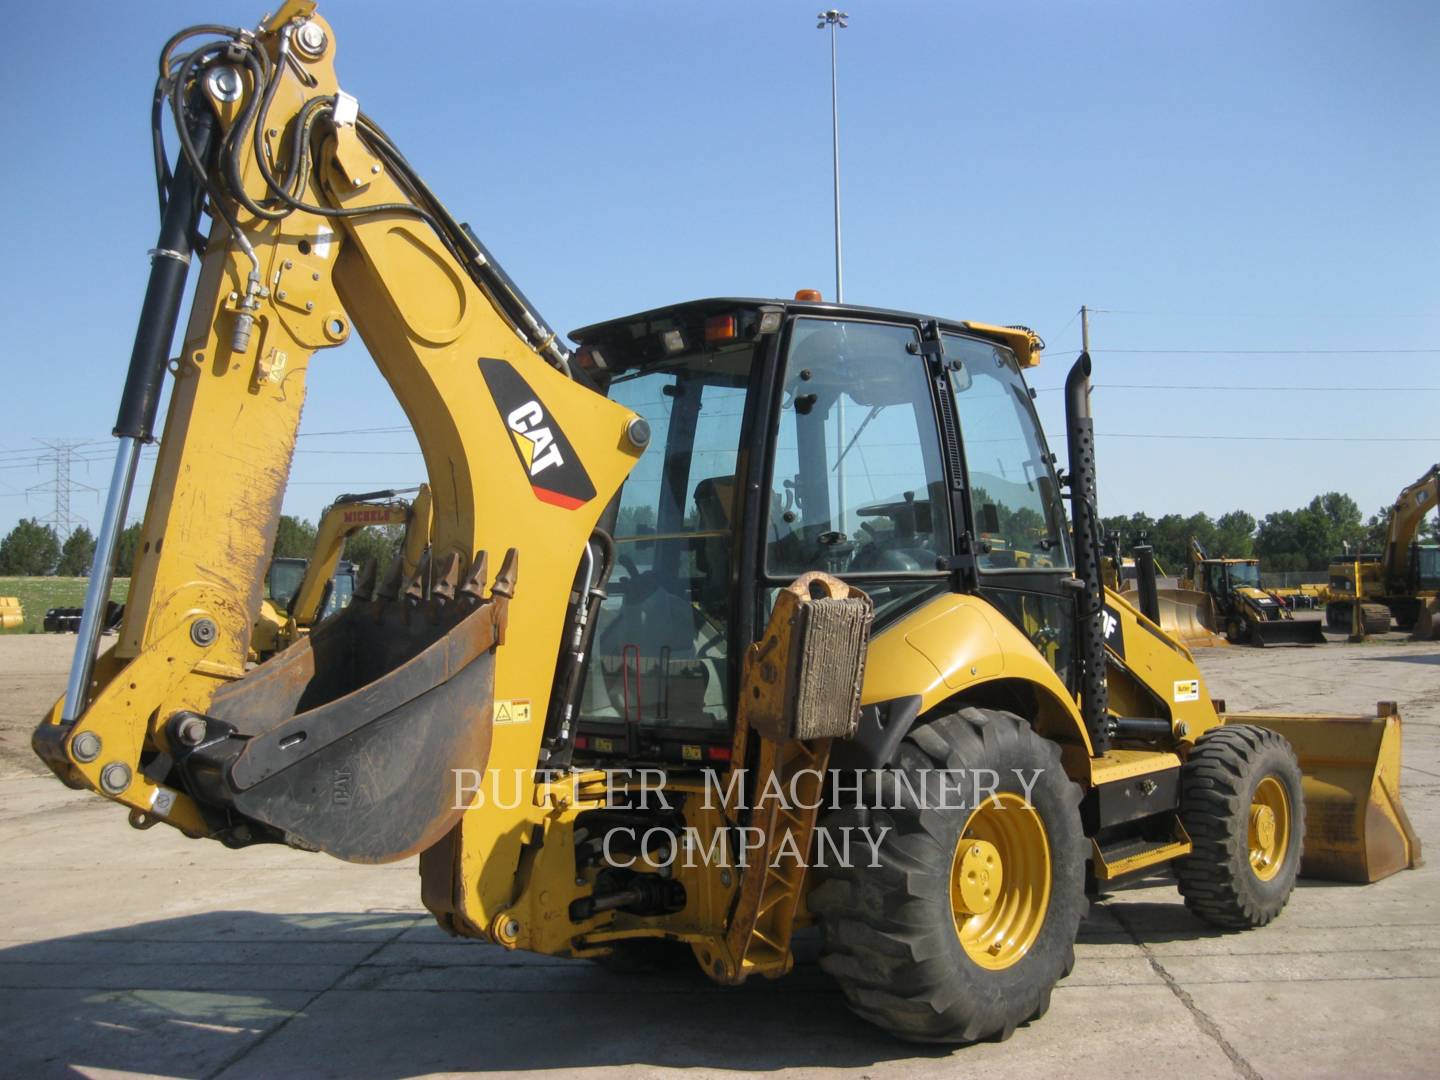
[235,68]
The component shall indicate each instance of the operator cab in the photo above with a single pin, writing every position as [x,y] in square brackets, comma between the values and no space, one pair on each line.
[896,451]
[1229,577]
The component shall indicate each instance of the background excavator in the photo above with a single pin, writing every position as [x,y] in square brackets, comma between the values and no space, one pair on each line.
[722,629]
[301,592]
[1403,580]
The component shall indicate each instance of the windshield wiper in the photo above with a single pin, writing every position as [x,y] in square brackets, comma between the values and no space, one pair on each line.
[874,411]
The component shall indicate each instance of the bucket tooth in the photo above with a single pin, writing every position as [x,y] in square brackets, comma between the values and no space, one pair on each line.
[365,581]
[474,587]
[505,580]
[394,577]
[447,577]
[415,590]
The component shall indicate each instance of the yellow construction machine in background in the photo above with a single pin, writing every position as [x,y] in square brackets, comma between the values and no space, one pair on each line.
[1221,601]
[300,592]
[726,622]
[1402,581]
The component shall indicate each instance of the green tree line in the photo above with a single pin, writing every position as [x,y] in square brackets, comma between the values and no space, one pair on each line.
[31,549]
[1305,538]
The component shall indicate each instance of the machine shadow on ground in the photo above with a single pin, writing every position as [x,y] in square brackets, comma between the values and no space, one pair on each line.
[387,994]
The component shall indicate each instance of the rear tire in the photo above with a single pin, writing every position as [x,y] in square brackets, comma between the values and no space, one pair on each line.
[901,938]
[1242,804]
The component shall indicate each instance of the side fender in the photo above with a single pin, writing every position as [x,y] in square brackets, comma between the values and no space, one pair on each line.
[958,645]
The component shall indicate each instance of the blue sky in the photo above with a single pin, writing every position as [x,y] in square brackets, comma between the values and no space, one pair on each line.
[1212,177]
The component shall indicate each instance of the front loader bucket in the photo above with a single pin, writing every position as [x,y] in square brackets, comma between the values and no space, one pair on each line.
[1355,825]
[1185,615]
[1287,632]
[347,742]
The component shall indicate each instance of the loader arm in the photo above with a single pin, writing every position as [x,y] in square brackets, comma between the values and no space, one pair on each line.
[345,741]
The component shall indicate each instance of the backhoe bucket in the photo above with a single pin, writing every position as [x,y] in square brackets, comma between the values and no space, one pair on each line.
[1287,632]
[348,741]
[1185,615]
[1355,826]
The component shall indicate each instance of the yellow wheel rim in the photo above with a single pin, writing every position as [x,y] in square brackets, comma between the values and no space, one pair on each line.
[1269,828]
[1000,881]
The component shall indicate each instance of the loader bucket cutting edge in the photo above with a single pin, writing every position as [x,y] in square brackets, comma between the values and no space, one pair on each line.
[1288,632]
[347,742]
[1356,828]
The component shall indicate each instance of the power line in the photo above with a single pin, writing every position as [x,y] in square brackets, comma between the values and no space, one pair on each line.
[1275,352]
[1376,316]
[1232,388]
[1269,438]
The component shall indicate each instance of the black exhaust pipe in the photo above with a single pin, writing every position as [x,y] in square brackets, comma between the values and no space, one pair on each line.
[1145,582]
[1085,521]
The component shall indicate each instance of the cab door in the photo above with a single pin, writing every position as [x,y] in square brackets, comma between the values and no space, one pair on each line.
[1016,524]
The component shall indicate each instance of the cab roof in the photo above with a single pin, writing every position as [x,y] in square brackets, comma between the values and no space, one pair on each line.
[1024,342]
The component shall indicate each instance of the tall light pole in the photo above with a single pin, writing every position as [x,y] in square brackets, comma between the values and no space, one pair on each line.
[835,19]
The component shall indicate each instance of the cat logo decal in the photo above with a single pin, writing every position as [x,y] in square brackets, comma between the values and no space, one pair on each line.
[556,475]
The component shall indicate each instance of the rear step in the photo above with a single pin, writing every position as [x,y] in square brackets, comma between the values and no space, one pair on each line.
[1134,853]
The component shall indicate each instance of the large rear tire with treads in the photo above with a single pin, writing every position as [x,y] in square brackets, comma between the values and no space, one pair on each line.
[968,917]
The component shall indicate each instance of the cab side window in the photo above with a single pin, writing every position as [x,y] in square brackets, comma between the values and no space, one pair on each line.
[1019,517]
[858,486]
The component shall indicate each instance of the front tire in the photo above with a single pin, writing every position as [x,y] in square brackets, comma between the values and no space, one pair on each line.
[1242,804]
[968,919]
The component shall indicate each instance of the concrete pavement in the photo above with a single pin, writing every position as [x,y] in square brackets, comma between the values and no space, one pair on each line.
[126,953]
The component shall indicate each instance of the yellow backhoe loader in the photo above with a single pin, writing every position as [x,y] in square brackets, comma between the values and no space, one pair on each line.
[722,630]
[1403,581]
[1240,608]
[1221,602]
[301,592]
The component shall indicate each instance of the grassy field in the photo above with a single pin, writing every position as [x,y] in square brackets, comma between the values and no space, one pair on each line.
[39,593]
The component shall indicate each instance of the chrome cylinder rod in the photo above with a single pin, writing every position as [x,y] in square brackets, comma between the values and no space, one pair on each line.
[97,590]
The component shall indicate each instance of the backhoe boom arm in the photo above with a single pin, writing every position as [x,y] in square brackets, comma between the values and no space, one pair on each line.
[321,228]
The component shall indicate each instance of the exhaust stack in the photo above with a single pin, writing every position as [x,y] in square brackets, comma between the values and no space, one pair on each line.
[1085,521]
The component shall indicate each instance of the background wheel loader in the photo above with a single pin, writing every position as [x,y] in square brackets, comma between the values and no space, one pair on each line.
[722,630]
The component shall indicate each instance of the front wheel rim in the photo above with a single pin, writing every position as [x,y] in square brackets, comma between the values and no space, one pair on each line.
[1000,881]
[1269,827]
